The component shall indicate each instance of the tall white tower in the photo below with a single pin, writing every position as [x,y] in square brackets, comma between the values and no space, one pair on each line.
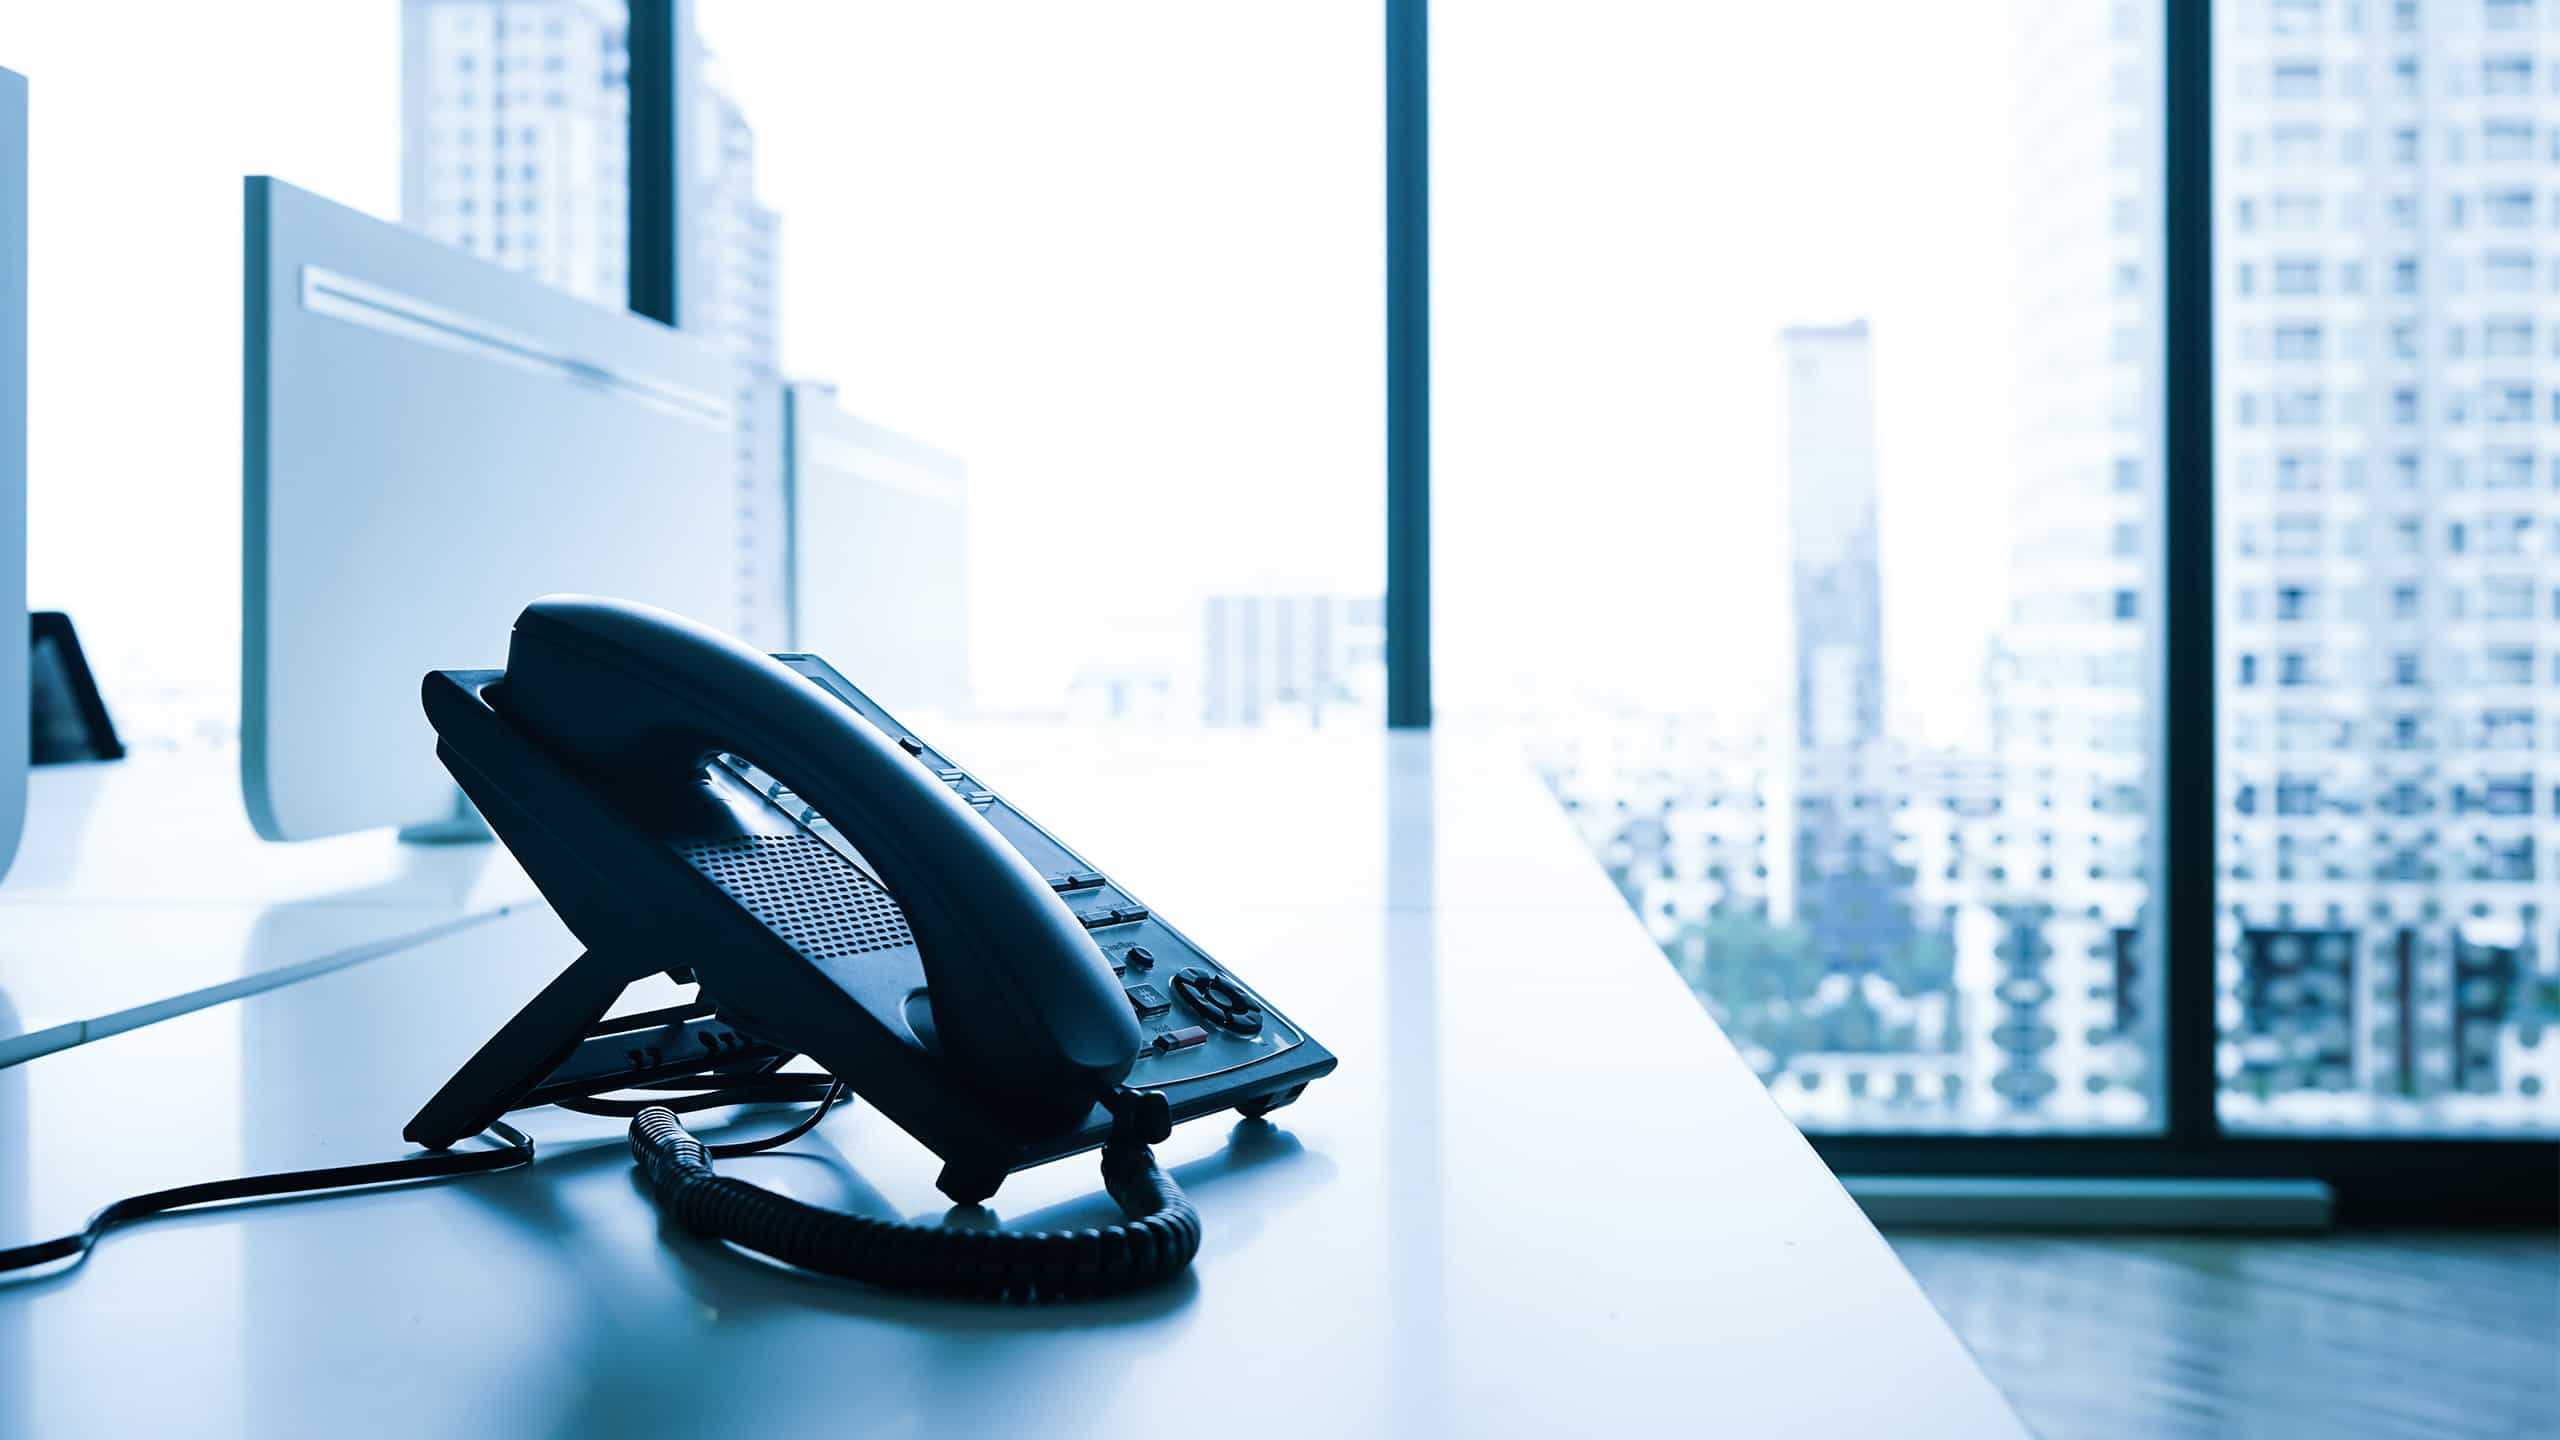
[2388,247]
[516,124]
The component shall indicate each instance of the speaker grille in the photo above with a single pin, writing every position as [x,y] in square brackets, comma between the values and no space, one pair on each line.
[805,892]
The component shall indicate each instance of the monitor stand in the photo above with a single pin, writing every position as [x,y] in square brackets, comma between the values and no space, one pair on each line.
[463,827]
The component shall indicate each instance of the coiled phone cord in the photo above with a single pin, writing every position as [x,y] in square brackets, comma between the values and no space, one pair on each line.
[1155,1245]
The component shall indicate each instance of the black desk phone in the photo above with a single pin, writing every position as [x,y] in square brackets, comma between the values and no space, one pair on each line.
[836,889]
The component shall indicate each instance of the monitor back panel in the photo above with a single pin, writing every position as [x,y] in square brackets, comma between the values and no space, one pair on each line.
[879,554]
[428,442]
[13,462]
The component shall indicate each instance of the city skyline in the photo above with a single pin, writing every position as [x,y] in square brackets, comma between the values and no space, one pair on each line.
[2386,556]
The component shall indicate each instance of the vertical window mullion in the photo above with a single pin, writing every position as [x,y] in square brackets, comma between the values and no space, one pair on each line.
[1408,237]
[2185,805]
[654,28]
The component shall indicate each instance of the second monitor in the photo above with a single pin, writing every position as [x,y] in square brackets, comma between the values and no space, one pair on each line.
[429,442]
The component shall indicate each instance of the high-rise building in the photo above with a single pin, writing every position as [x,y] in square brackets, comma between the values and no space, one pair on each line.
[2389,561]
[1848,889]
[1831,537]
[514,136]
[1292,659]
[730,295]
[516,118]
[2064,987]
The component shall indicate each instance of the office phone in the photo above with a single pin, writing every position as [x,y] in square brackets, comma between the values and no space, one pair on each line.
[837,889]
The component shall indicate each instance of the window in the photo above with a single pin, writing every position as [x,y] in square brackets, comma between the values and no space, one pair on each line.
[2508,272]
[2331,917]
[2504,141]
[1828,401]
[2297,535]
[2507,665]
[1083,248]
[2296,145]
[2507,470]
[134,203]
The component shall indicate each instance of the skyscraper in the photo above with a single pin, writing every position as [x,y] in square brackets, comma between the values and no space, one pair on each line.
[514,124]
[2389,566]
[2070,685]
[1275,659]
[516,117]
[1831,508]
[1848,891]
[730,295]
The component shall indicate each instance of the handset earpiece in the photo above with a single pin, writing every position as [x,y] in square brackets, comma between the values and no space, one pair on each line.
[1025,1007]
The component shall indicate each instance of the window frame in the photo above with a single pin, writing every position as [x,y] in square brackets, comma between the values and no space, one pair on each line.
[2375,1179]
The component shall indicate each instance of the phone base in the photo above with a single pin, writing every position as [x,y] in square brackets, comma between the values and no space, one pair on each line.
[969,1184]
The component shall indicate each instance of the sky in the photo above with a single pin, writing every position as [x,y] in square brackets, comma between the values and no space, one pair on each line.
[1125,258]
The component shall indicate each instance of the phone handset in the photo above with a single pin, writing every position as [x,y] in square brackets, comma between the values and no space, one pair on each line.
[639,700]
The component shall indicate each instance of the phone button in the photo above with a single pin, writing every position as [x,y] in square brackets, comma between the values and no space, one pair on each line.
[1182,1039]
[1148,1001]
[1222,1002]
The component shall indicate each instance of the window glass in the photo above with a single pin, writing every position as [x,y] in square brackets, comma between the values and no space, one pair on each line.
[1795,463]
[515,117]
[2390,956]
[142,122]
[1122,262]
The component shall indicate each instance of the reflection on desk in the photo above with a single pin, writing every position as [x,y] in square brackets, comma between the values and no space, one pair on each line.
[141,893]
[1541,1195]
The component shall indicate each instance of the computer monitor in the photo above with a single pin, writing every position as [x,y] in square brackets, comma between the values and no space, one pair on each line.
[428,442]
[13,462]
[879,554]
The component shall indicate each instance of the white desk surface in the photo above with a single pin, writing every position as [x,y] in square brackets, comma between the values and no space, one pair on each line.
[1540,1196]
[140,892]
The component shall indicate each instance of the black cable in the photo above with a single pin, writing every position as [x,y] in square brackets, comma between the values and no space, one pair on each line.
[835,1092]
[517,1150]
[1157,1244]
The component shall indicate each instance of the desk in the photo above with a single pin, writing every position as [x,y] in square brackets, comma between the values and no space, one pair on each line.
[1542,1195]
[140,892]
